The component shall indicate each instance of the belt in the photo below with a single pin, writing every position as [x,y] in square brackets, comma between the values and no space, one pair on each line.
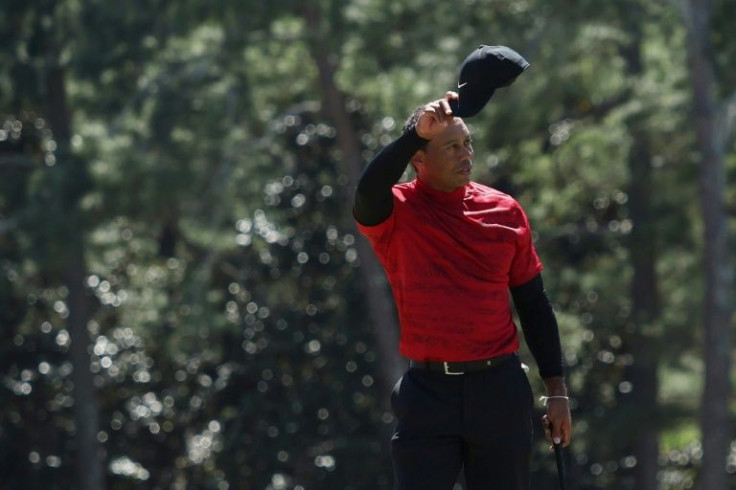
[458,368]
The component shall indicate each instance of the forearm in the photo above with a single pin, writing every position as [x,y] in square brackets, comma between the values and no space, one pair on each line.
[555,386]
[540,328]
[373,197]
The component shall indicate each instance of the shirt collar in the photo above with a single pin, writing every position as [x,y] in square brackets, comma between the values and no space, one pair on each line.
[455,196]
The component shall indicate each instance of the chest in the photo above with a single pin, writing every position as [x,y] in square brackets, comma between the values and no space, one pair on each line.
[472,238]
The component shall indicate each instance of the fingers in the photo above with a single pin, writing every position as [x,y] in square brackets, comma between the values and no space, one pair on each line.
[446,107]
[434,119]
[436,116]
[557,424]
[440,107]
[550,432]
[561,435]
[547,427]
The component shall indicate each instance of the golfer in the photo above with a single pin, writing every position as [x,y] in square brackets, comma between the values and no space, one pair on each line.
[452,250]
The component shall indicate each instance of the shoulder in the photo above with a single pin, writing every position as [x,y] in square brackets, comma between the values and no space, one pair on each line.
[507,209]
[404,190]
[485,193]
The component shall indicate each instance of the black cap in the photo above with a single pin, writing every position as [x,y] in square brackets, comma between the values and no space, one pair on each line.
[483,71]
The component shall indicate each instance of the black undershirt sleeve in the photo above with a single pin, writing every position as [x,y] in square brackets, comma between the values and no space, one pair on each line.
[539,325]
[374,200]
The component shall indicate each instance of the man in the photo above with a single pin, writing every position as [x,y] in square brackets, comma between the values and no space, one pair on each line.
[452,249]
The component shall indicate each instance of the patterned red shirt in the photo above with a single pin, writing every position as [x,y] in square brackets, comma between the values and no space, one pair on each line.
[450,259]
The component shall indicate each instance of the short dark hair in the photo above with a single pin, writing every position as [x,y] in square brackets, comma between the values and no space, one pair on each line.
[411,122]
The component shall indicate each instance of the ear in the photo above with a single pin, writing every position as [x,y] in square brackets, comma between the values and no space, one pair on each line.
[418,158]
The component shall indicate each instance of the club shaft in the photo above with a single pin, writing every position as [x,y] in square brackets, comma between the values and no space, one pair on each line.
[561,473]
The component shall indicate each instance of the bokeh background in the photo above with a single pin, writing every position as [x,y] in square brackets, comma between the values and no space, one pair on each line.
[185,302]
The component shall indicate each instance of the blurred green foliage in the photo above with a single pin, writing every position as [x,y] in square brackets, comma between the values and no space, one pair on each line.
[229,338]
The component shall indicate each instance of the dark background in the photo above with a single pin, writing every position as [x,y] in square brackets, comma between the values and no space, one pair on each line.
[185,302]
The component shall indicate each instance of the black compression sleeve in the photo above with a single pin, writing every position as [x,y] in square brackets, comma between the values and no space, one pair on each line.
[539,325]
[373,197]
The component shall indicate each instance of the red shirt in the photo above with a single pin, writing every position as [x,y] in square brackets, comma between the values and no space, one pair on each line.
[450,258]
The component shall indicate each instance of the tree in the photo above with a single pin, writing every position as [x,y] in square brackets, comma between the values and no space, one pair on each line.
[644,289]
[381,313]
[713,126]
[67,183]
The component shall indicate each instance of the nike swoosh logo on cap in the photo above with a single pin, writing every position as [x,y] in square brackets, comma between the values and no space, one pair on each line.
[461,85]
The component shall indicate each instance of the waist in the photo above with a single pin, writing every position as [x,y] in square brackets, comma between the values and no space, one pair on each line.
[462,367]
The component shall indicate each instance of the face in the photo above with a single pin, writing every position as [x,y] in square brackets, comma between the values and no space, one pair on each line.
[447,161]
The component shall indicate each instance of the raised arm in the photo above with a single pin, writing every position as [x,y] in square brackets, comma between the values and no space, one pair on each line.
[373,198]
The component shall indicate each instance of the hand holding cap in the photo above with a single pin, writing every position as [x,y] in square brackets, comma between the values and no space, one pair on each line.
[483,71]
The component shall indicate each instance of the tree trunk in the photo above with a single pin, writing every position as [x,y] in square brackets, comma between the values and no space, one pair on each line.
[86,407]
[715,420]
[380,307]
[645,313]
[644,288]
[86,412]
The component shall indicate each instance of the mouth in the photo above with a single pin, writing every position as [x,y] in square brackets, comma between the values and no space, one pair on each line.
[466,169]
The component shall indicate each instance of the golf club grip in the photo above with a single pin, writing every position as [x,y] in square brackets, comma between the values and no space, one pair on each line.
[561,473]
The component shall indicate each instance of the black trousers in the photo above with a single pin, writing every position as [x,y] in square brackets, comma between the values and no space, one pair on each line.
[480,423]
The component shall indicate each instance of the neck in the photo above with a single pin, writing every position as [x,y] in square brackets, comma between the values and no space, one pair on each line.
[455,195]
[437,187]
